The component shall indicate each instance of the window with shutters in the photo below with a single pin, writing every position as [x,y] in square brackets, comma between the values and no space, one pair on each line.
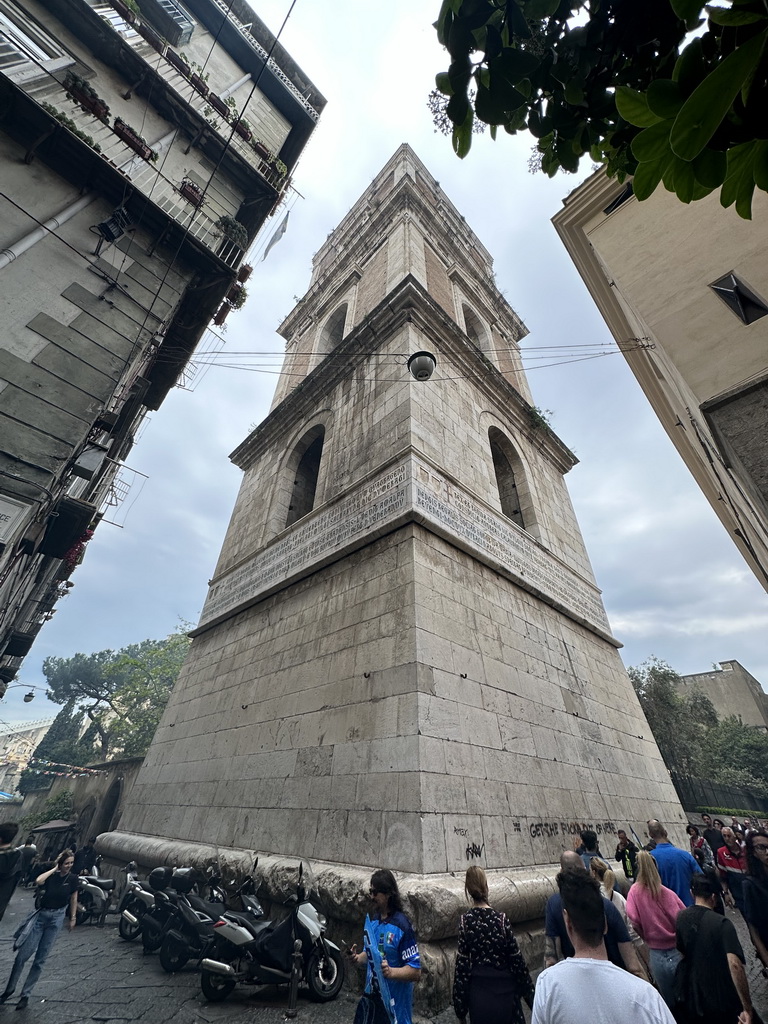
[26,49]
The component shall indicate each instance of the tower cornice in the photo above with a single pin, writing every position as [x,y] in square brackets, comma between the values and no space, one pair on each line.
[408,302]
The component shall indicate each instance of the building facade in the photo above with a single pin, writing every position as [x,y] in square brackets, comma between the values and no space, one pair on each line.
[733,691]
[17,744]
[684,291]
[140,153]
[403,660]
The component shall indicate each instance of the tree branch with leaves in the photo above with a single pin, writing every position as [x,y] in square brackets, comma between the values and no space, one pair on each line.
[620,81]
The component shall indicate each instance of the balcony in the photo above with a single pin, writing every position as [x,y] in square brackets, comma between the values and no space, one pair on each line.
[166,63]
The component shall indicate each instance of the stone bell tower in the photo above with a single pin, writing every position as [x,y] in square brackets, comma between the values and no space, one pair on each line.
[403,660]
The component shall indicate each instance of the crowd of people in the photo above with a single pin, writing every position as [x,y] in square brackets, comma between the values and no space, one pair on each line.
[664,951]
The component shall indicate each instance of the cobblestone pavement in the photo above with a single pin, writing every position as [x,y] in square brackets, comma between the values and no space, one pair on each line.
[92,975]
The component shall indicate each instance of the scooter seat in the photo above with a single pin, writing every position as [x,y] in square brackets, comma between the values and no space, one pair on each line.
[105,884]
[255,927]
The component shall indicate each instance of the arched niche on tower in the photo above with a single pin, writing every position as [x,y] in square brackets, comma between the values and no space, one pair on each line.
[477,332]
[511,481]
[307,457]
[332,332]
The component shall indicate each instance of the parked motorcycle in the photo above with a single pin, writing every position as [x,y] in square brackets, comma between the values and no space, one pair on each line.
[138,897]
[261,952]
[192,935]
[94,898]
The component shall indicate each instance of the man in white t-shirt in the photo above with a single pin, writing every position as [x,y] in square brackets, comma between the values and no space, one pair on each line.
[587,985]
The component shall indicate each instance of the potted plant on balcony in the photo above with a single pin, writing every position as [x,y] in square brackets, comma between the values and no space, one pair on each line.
[221,314]
[243,129]
[132,139]
[191,192]
[233,230]
[128,10]
[82,92]
[237,295]
[261,150]
[178,61]
[151,37]
[218,105]
[244,272]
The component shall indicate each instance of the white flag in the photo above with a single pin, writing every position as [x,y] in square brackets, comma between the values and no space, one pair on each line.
[277,236]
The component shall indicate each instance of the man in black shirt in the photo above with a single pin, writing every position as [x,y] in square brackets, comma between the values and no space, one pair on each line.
[713,835]
[59,889]
[713,982]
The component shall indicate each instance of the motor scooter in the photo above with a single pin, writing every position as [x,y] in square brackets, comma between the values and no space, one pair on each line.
[94,898]
[138,897]
[262,952]
[192,935]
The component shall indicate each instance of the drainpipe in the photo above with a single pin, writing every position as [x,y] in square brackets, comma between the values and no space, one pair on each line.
[233,88]
[14,251]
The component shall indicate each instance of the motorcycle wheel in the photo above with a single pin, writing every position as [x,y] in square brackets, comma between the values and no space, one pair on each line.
[84,909]
[325,975]
[215,986]
[127,930]
[173,955]
[151,940]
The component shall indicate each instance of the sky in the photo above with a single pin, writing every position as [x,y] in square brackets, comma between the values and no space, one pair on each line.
[673,583]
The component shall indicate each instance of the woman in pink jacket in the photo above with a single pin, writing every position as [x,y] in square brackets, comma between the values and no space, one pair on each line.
[653,910]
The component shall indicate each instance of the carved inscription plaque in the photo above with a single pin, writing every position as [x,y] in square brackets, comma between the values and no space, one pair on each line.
[490,534]
[410,486]
[313,539]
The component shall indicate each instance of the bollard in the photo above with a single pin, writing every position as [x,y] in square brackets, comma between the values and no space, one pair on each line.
[293,989]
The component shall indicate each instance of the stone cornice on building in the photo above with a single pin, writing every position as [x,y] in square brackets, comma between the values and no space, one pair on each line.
[409,302]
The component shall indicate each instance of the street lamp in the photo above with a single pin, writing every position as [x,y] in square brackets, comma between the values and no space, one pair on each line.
[30,695]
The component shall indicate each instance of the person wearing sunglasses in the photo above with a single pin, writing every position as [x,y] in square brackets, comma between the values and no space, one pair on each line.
[755,892]
[391,956]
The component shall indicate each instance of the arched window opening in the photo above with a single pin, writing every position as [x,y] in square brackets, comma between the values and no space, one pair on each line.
[503,458]
[475,330]
[333,332]
[305,484]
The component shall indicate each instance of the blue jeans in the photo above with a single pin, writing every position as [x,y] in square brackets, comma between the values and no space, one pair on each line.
[663,964]
[44,933]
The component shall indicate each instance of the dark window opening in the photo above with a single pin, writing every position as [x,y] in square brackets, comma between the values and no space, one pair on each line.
[505,479]
[333,332]
[626,193]
[304,486]
[740,299]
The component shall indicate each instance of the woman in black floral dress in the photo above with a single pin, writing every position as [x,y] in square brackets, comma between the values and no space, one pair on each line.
[491,974]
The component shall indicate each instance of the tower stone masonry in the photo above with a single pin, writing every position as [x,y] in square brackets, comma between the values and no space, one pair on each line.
[403,659]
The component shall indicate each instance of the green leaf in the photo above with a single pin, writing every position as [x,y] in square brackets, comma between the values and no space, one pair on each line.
[684,180]
[516,121]
[537,10]
[760,165]
[648,176]
[633,107]
[462,135]
[457,108]
[664,97]
[517,64]
[443,83]
[708,104]
[505,95]
[686,9]
[652,143]
[730,18]
[516,20]
[710,168]
[574,92]
[690,67]
[493,43]
[739,181]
